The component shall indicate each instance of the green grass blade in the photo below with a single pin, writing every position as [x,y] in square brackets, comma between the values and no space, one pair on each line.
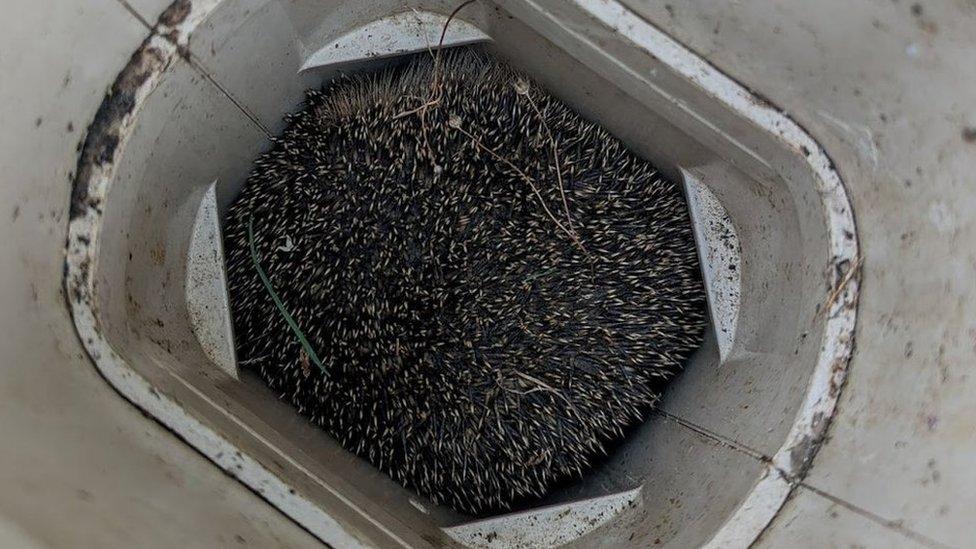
[277,301]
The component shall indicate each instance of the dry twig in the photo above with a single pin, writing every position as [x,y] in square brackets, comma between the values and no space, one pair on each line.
[842,284]
[434,98]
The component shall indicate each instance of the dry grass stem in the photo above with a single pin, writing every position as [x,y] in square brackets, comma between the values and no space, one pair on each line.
[522,88]
[455,122]
[839,289]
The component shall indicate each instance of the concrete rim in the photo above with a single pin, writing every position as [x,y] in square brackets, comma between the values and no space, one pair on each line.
[113,124]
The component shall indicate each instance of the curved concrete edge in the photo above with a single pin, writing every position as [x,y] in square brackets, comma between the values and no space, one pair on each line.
[104,145]
[207,301]
[755,512]
[401,33]
[564,522]
[794,457]
[720,257]
[112,125]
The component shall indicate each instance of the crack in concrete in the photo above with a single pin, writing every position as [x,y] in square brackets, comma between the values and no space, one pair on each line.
[798,481]
[194,62]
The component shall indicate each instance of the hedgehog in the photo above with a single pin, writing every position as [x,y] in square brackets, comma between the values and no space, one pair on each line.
[461,279]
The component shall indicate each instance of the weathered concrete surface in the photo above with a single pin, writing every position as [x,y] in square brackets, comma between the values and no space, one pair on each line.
[808,520]
[80,467]
[889,89]
[149,10]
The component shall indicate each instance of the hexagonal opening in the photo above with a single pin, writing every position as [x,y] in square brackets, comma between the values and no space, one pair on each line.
[202,111]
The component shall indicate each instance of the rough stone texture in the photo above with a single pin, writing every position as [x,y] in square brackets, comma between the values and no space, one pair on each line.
[79,466]
[888,87]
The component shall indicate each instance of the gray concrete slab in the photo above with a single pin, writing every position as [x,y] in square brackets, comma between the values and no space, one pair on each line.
[810,521]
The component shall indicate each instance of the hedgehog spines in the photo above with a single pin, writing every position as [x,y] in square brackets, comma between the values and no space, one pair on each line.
[475,354]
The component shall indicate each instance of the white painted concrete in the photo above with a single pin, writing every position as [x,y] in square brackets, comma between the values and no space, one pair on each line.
[721,259]
[808,520]
[562,523]
[405,32]
[207,303]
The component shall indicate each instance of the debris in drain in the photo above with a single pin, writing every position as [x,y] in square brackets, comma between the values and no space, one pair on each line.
[495,287]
